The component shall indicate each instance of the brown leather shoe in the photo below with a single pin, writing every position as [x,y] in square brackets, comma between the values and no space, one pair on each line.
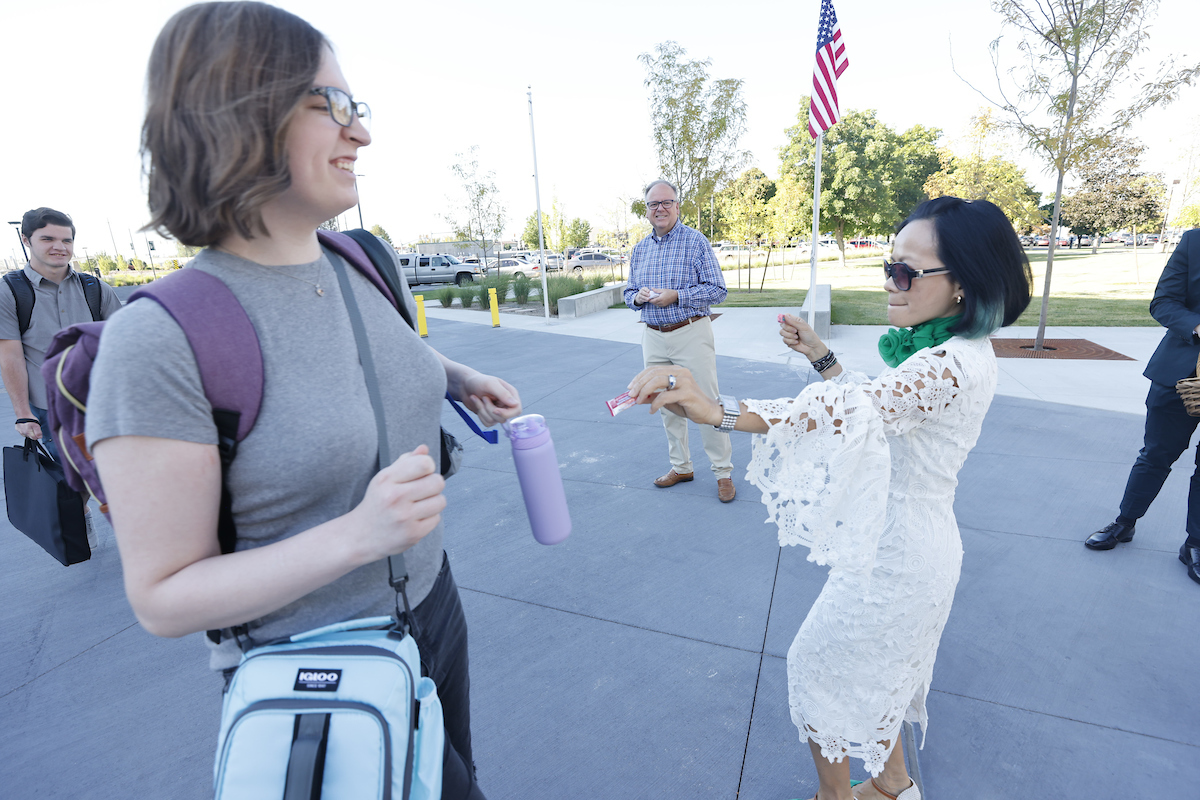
[725,490]
[672,478]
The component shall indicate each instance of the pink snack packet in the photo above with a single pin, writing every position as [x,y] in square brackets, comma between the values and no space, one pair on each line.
[779,319]
[620,403]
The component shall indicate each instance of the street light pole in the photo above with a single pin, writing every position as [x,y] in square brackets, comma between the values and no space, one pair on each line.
[359,195]
[17,225]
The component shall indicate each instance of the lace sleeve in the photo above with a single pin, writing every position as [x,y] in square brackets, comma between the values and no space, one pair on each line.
[823,468]
[916,392]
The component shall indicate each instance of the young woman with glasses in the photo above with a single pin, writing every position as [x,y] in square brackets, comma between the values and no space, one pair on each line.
[863,472]
[250,141]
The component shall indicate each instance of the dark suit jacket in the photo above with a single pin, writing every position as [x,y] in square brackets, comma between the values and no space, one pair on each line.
[1176,305]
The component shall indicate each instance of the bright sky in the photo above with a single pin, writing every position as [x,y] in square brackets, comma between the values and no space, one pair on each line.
[443,76]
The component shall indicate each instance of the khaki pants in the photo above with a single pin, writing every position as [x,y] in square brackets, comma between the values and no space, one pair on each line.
[692,347]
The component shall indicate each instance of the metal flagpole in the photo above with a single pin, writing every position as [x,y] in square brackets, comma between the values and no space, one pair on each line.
[538,197]
[811,299]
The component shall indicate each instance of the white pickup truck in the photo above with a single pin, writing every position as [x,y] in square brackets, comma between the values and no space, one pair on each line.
[421,268]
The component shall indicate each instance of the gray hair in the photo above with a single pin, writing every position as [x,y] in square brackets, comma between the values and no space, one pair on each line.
[652,184]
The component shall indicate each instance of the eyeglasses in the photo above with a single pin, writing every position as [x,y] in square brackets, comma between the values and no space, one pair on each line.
[342,107]
[902,274]
[665,205]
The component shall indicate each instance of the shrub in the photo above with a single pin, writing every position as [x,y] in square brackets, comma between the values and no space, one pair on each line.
[446,296]
[500,283]
[466,294]
[481,291]
[561,286]
[595,281]
[521,288]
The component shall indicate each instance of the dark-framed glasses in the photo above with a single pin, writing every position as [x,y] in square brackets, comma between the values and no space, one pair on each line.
[902,274]
[666,205]
[342,107]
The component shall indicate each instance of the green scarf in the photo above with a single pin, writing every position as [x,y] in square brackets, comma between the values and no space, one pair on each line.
[899,343]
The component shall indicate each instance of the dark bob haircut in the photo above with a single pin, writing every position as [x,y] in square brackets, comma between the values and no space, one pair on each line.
[39,218]
[223,84]
[977,242]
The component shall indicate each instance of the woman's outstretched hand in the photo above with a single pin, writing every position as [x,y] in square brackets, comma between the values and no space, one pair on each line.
[799,336]
[653,385]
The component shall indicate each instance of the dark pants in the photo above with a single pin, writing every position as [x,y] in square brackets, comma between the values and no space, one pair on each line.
[442,639]
[47,441]
[1168,433]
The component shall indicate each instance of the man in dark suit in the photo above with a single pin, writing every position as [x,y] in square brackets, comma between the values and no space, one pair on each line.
[1169,428]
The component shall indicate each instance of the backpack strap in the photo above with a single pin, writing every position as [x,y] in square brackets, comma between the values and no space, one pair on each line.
[91,293]
[22,292]
[231,371]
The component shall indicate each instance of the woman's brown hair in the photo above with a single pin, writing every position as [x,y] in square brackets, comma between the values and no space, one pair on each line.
[223,83]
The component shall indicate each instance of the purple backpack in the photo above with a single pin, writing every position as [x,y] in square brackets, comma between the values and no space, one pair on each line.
[227,353]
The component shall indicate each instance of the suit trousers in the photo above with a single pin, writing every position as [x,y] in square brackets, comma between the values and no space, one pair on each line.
[691,347]
[1169,431]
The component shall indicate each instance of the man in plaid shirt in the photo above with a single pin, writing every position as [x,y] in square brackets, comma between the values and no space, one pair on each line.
[673,280]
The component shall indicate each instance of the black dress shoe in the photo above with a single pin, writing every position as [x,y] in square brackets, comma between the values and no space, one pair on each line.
[1190,556]
[1107,537]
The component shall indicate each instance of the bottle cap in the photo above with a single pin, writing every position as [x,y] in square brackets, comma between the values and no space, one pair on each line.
[526,427]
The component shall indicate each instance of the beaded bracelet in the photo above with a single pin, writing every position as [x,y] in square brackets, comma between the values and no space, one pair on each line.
[823,364]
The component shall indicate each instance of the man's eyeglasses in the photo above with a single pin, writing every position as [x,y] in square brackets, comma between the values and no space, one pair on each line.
[342,107]
[665,205]
[902,274]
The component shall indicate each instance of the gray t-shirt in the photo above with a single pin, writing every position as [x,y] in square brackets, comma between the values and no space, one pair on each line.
[313,449]
[55,306]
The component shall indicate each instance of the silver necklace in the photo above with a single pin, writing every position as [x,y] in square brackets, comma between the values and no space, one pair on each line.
[316,285]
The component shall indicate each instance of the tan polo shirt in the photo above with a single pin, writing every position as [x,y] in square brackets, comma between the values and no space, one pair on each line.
[56,307]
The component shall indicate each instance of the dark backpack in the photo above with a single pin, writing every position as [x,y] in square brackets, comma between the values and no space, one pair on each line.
[227,353]
[22,292]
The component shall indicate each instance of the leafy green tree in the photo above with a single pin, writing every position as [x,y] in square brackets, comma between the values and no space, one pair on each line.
[916,158]
[858,165]
[697,122]
[186,251]
[1188,217]
[983,173]
[1114,191]
[381,233]
[530,234]
[744,204]
[479,216]
[579,233]
[1078,55]
[104,262]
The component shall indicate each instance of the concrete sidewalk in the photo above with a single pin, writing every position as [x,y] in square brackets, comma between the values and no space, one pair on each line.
[644,656]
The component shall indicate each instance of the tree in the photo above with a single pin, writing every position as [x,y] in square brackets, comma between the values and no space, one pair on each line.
[530,234]
[744,204]
[1078,54]
[915,160]
[480,214]
[1114,192]
[985,174]
[1188,217]
[381,233]
[579,233]
[186,251]
[697,122]
[861,163]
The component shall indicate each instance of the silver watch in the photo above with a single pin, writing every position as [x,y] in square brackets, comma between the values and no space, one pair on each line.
[729,405]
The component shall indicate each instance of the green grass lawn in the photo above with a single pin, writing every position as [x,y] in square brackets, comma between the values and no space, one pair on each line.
[1109,288]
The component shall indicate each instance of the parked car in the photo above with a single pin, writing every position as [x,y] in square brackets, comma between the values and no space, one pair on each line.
[861,244]
[733,252]
[1084,241]
[1042,241]
[593,260]
[516,267]
[1027,241]
[422,268]
[553,260]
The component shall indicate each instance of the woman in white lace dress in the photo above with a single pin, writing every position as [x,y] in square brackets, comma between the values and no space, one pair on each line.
[863,472]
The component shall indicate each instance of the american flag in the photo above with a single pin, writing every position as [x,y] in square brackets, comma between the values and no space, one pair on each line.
[823,110]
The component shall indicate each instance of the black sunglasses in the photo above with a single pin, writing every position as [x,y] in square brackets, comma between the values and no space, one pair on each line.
[902,274]
[342,107]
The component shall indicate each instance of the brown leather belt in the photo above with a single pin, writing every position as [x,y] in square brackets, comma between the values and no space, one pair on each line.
[677,325]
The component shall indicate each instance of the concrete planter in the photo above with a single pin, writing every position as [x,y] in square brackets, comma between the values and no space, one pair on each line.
[580,305]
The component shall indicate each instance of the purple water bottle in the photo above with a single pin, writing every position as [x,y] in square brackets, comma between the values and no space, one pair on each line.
[541,482]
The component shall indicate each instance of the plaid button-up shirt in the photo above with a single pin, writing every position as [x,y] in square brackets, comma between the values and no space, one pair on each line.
[682,260]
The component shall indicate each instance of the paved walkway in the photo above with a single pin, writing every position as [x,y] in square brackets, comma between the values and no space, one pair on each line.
[644,657]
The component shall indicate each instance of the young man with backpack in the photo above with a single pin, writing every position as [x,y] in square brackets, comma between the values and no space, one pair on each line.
[37,302]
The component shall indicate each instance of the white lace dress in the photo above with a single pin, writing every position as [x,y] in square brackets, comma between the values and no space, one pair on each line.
[863,472]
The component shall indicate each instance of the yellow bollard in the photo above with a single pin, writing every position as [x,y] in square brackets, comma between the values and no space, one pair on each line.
[495,308]
[422,328]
